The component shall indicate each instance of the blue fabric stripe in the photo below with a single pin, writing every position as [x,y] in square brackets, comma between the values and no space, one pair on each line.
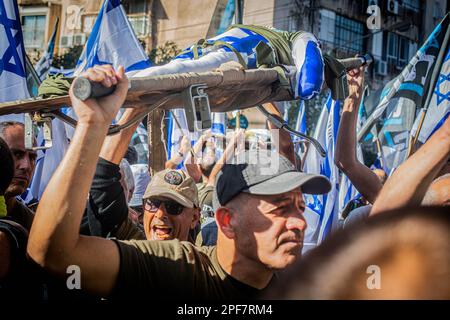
[111,4]
[170,128]
[388,137]
[393,121]
[412,87]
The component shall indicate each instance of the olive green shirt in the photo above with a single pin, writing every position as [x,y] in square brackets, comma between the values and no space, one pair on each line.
[281,41]
[175,270]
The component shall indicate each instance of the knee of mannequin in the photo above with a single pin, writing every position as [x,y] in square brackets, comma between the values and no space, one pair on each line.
[310,70]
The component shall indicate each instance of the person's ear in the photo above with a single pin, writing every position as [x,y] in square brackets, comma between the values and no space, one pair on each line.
[223,220]
[195,218]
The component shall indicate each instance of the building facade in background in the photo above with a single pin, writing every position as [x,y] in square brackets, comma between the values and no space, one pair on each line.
[340,25]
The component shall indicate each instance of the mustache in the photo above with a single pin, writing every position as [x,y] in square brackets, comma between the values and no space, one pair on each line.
[291,236]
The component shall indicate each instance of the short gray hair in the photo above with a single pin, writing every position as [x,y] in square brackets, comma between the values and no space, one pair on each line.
[127,173]
[6,124]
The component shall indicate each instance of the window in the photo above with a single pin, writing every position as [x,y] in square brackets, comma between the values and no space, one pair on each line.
[398,51]
[392,47]
[135,6]
[348,34]
[33,28]
[140,24]
[138,16]
[412,5]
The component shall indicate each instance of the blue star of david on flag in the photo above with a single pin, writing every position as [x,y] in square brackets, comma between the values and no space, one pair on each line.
[10,60]
[12,54]
[441,95]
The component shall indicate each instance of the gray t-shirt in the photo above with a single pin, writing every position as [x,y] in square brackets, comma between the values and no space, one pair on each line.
[357,215]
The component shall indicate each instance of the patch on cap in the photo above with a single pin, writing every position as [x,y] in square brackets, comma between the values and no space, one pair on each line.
[173,177]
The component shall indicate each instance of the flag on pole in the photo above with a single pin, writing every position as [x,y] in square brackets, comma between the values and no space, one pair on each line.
[439,107]
[13,85]
[112,41]
[226,10]
[47,161]
[44,64]
[409,89]
[176,130]
[321,211]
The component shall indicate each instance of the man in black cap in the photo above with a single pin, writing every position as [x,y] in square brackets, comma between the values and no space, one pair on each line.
[259,212]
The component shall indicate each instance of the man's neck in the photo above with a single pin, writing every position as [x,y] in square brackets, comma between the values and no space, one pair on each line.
[242,268]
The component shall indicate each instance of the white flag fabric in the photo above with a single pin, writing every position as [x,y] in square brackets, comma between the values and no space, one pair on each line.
[176,132]
[112,41]
[47,161]
[321,211]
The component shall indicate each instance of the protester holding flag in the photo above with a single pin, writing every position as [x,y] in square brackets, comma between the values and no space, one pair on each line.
[345,157]
[413,89]
[321,211]
[409,183]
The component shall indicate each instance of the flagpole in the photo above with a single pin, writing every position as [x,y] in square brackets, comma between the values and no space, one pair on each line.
[434,77]
[239,20]
[32,70]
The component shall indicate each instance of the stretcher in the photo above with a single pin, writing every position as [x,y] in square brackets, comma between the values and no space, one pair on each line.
[224,89]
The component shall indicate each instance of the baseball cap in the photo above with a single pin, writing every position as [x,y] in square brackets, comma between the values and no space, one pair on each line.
[174,185]
[264,173]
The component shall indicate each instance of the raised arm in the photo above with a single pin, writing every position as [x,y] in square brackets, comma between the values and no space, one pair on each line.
[54,241]
[180,155]
[115,146]
[107,205]
[235,145]
[409,183]
[364,180]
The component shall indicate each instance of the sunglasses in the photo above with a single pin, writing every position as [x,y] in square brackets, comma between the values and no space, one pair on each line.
[172,207]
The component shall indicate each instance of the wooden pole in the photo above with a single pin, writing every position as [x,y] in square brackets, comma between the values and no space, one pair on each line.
[157,147]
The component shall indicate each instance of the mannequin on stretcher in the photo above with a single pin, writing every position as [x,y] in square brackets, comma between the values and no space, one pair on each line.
[253,47]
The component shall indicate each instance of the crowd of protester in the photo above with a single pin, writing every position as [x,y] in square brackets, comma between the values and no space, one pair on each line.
[217,227]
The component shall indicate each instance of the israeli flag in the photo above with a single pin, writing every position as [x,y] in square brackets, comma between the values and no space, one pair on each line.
[177,129]
[408,88]
[44,64]
[13,83]
[219,123]
[439,107]
[347,190]
[321,211]
[47,161]
[112,41]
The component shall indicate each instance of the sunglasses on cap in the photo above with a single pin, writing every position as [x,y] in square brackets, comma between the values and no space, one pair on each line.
[172,207]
